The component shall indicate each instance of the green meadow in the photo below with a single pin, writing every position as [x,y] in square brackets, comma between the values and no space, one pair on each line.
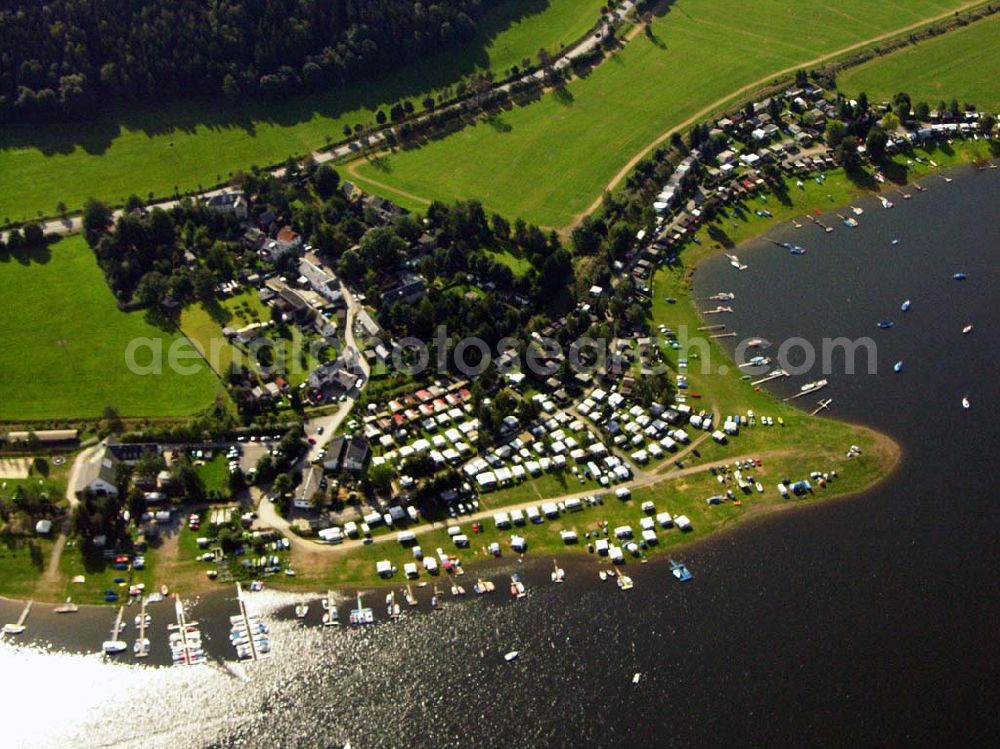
[549,161]
[62,351]
[964,64]
[154,149]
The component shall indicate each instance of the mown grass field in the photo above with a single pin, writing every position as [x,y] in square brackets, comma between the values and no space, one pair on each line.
[964,64]
[155,148]
[549,161]
[62,350]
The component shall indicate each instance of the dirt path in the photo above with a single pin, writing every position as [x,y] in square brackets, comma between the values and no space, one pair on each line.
[750,87]
[352,170]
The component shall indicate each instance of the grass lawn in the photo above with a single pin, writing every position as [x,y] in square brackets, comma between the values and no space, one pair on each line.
[22,561]
[63,348]
[215,474]
[549,161]
[962,64]
[156,148]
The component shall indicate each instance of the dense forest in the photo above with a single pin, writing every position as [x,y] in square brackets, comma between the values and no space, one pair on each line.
[63,59]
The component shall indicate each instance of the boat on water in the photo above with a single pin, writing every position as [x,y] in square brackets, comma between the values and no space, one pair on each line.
[602,574]
[898,367]
[112,647]
[361,614]
[558,574]
[140,649]
[301,610]
[67,608]
[483,586]
[965,402]
[436,600]
[756,343]
[905,305]
[13,629]
[517,586]
[723,296]
[796,250]
[511,656]
[885,324]
[141,620]
[624,582]
[894,242]
[679,571]
[810,386]
[734,261]
[636,677]
[959,276]
[967,329]
[331,618]
[886,203]
[392,609]
[411,600]
[857,210]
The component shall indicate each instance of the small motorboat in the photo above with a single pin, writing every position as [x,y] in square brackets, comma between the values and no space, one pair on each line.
[965,402]
[898,367]
[511,656]
[516,586]
[967,329]
[111,647]
[602,574]
[895,242]
[624,582]
[141,648]
[905,305]
[301,610]
[885,324]
[636,677]
[558,574]
[959,276]
[679,571]
[13,629]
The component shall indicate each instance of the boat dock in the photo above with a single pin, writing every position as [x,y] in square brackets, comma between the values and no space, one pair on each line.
[712,327]
[248,633]
[772,376]
[820,224]
[19,626]
[185,640]
[816,386]
[329,604]
[724,335]
[118,626]
[823,405]
[141,641]
[246,621]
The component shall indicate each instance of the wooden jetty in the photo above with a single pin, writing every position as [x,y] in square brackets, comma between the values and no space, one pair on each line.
[141,649]
[772,376]
[119,625]
[19,626]
[819,223]
[329,605]
[712,327]
[187,649]
[818,386]
[251,639]
[731,334]
[823,405]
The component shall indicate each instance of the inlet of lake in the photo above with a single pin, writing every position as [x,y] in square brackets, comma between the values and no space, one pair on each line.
[867,621]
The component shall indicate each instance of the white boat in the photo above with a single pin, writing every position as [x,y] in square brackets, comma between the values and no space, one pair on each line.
[13,629]
[602,574]
[110,647]
[965,402]
[967,329]
[141,648]
[140,620]
[516,586]
[810,386]
[511,656]
[411,600]
[558,574]
[301,610]
[636,677]
[624,582]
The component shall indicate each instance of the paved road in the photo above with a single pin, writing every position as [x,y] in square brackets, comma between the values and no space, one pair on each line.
[374,140]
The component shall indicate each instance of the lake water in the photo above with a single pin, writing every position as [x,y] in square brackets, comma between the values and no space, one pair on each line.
[870,621]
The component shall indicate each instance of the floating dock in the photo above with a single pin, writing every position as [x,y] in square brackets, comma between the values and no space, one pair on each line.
[772,376]
[823,405]
[185,639]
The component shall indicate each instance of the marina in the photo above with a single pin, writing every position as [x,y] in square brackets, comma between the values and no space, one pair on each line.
[115,644]
[248,634]
[185,639]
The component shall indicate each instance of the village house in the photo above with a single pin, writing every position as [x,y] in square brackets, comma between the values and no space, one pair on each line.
[99,476]
[229,203]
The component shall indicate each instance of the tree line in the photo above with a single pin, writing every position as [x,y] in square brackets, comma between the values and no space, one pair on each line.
[63,59]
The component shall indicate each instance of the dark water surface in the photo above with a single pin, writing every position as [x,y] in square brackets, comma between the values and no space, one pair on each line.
[870,621]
